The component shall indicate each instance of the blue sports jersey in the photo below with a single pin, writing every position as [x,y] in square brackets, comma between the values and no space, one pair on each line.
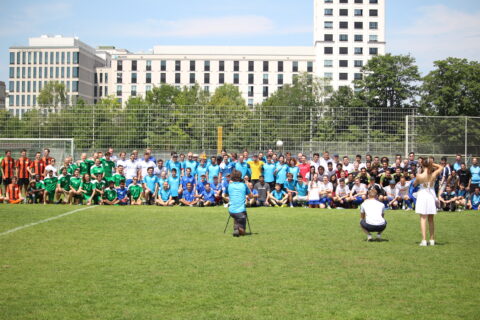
[475,199]
[281,173]
[174,164]
[192,164]
[202,170]
[462,193]
[188,179]
[278,194]
[121,193]
[151,182]
[226,169]
[242,167]
[164,194]
[295,171]
[216,187]
[412,189]
[269,172]
[201,186]
[174,183]
[225,185]
[237,191]
[475,171]
[213,170]
[302,189]
[188,195]
[290,185]
[208,195]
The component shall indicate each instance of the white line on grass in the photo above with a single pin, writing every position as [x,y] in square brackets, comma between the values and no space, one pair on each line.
[45,220]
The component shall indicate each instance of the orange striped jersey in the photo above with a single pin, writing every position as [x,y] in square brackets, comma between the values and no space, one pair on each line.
[22,165]
[38,167]
[13,191]
[47,160]
[8,164]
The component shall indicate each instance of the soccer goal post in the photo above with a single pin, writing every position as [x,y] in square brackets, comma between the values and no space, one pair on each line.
[59,147]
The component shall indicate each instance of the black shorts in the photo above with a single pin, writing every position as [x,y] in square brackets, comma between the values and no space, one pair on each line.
[175,199]
[372,228]
[23,181]
[7,181]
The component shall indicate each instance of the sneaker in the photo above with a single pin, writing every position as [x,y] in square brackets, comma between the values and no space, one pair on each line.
[236,233]
[225,205]
[328,207]
[408,209]
[291,205]
[432,242]
[369,237]
[423,243]
[284,206]
[379,236]
[277,206]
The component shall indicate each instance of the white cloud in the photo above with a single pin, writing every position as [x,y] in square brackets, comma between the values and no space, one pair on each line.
[438,33]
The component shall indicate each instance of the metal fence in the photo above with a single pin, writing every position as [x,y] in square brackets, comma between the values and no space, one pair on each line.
[206,128]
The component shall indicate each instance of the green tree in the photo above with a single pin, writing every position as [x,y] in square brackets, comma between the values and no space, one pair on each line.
[452,88]
[53,95]
[390,81]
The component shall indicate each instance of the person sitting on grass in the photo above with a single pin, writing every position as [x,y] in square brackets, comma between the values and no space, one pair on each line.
[253,200]
[100,185]
[188,196]
[151,185]
[135,192]
[289,186]
[110,194]
[461,201]
[278,197]
[164,196]
[447,199]
[474,202]
[207,198]
[87,189]
[402,188]
[75,195]
[122,194]
[390,199]
[358,192]
[372,214]
[35,190]
[326,190]
[217,189]
[12,194]
[301,189]
[342,195]
[314,192]
[50,187]
[63,186]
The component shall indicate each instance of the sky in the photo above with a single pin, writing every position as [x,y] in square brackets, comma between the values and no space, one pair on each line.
[429,30]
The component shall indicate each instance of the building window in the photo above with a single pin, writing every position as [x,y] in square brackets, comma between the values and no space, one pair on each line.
[119,77]
[75,72]
[134,77]
[344,37]
[40,57]
[373,38]
[328,37]
[206,65]
[133,91]
[358,50]
[12,57]
[358,25]
[76,57]
[373,1]
[358,12]
[343,1]
[12,72]
[192,65]
[236,65]
[221,78]
[310,66]
[163,77]
[328,75]
[45,72]
[358,63]
[134,65]
[359,38]
[280,79]
[52,56]
[328,24]
[373,25]
[74,86]
[358,76]
[148,88]
[343,12]
[359,1]
[236,78]
[34,86]
[192,78]
[148,78]
[250,78]
[206,89]
[265,79]
[343,24]
[149,65]
[280,66]
[373,51]
[250,102]
[163,65]
[250,91]
[343,63]
[343,50]
[51,72]
[119,65]
[206,78]
[62,72]
[119,91]
[295,66]
[177,78]
[328,1]
[328,50]
[251,66]
[265,66]
[68,72]
[63,57]
[265,92]
[343,76]
[373,13]
[221,66]
[10,100]
[11,86]
[328,63]
[329,12]
[177,65]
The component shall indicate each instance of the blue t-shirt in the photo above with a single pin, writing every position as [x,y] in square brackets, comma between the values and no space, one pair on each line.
[188,195]
[202,170]
[121,193]
[475,171]
[226,169]
[174,183]
[295,171]
[278,194]
[164,194]
[213,170]
[242,167]
[237,192]
[281,173]
[188,179]
[174,164]
[225,185]
[269,172]
[290,185]
[208,196]
[475,199]
[192,164]
[201,186]
[151,182]
[216,187]
[302,189]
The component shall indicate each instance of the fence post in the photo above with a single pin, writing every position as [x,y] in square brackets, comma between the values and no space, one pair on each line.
[311,129]
[203,127]
[260,129]
[93,127]
[368,129]
[466,139]
[406,136]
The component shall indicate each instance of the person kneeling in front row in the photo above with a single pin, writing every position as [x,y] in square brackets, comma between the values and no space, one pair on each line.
[372,215]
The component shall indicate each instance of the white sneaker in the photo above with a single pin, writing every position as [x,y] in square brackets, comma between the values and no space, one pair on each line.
[225,205]
[423,243]
[291,205]
[432,242]
[379,236]
[369,237]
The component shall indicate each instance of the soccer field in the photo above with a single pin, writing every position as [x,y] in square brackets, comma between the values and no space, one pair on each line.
[176,263]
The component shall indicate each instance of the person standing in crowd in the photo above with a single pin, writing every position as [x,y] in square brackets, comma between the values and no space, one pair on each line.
[7,166]
[474,175]
[263,190]
[21,165]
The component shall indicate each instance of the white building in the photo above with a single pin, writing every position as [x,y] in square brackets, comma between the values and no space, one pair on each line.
[347,33]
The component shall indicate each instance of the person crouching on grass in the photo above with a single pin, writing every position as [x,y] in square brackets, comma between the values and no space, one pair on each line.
[278,197]
[164,196]
[110,194]
[188,196]
[237,192]
[12,194]
[135,191]
[372,216]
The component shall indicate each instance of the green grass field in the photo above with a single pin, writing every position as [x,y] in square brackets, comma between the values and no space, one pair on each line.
[176,263]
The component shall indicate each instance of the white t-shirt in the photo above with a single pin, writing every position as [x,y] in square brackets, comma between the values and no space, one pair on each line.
[391,192]
[144,165]
[121,162]
[326,187]
[50,167]
[402,191]
[360,188]
[315,164]
[158,172]
[130,169]
[348,168]
[373,210]
[342,192]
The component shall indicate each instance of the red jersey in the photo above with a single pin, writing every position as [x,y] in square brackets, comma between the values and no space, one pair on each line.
[8,165]
[47,160]
[304,169]
[38,167]
[13,191]
[22,165]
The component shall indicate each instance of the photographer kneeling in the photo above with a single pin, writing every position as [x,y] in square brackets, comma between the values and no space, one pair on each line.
[372,214]
[237,190]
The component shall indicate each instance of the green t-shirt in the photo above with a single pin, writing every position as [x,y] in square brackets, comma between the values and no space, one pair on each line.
[108,166]
[117,178]
[85,166]
[135,191]
[50,183]
[100,185]
[88,187]
[40,185]
[75,182]
[64,182]
[110,194]
[96,169]
[71,169]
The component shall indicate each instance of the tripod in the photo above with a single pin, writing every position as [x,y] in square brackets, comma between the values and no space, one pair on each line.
[248,223]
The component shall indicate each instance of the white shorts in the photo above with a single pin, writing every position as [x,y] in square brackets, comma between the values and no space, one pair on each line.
[300,198]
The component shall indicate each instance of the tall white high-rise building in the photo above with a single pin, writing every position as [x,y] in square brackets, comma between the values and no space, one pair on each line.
[347,33]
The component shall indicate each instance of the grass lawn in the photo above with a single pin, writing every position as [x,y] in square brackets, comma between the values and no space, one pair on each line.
[176,263]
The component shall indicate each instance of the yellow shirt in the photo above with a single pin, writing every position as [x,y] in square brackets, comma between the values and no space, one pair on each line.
[256,168]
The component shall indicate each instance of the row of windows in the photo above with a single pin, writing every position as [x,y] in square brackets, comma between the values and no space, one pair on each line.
[31,86]
[30,100]
[34,72]
[344,37]
[29,57]
[100,76]
[354,1]
[344,50]
[357,25]
[101,91]
[342,76]
[356,12]
[343,63]
[221,65]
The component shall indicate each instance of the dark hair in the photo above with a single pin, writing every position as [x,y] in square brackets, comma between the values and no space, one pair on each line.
[236,176]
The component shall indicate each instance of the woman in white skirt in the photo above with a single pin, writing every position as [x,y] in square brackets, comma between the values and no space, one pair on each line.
[426,204]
